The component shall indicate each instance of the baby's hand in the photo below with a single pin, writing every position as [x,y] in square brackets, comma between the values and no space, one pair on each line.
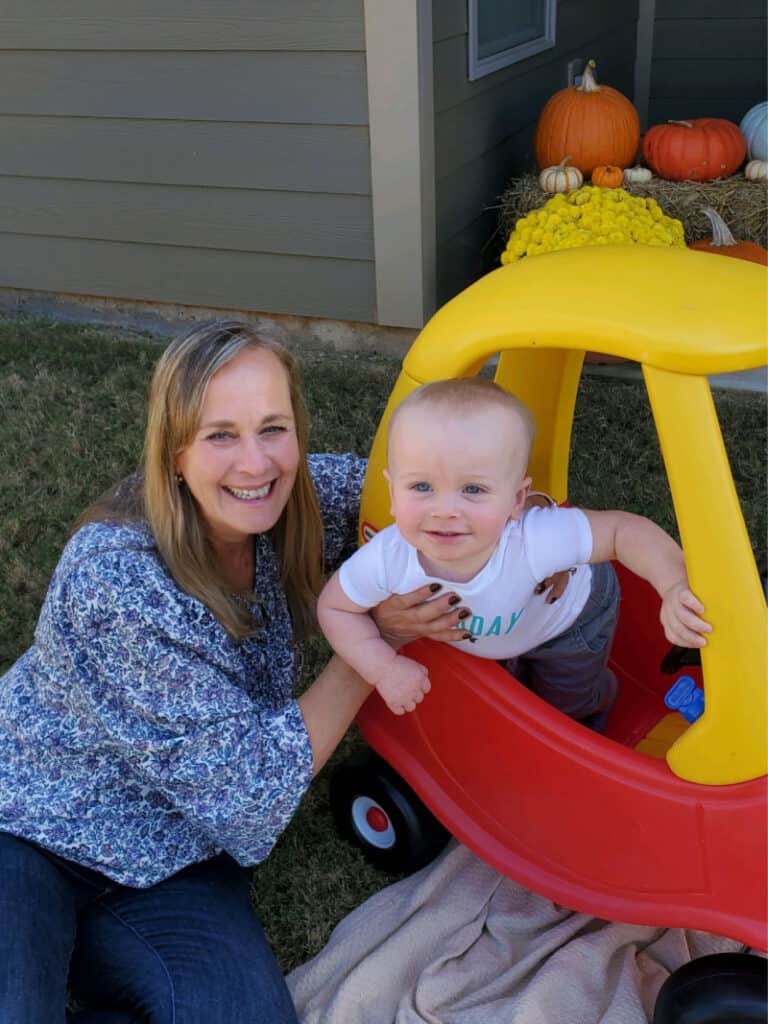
[404,685]
[681,616]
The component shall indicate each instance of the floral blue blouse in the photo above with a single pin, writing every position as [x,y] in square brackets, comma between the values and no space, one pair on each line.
[135,736]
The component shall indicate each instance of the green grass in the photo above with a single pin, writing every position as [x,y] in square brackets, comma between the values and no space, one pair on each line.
[73,402]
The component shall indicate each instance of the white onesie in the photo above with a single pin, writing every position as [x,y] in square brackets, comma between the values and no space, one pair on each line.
[508,618]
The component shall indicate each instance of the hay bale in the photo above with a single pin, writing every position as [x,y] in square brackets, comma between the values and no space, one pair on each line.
[742,204]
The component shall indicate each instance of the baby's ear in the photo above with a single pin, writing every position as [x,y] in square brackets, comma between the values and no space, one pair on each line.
[388,478]
[520,497]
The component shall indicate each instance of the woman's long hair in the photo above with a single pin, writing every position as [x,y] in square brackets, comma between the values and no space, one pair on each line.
[176,396]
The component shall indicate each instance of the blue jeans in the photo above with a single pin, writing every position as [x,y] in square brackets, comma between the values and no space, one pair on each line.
[571,670]
[188,950]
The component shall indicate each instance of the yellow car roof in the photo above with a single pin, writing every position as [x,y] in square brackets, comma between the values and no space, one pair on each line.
[668,307]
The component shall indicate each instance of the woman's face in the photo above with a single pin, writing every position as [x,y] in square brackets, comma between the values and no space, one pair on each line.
[241,464]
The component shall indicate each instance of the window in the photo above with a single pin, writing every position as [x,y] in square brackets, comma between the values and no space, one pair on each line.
[502,32]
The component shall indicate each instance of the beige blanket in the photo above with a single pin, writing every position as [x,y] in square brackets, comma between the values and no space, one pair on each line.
[458,943]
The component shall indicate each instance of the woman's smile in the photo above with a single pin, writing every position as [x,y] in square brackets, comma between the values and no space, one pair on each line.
[250,493]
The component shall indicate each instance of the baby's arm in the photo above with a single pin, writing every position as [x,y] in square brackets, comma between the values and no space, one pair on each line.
[649,552]
[352,633]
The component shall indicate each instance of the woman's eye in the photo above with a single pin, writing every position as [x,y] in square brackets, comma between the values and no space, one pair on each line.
[274,428]
[220,435]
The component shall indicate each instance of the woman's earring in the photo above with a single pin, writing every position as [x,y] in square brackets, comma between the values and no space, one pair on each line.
[179,479]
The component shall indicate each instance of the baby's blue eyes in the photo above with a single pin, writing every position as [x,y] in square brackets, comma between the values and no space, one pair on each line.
[422,487]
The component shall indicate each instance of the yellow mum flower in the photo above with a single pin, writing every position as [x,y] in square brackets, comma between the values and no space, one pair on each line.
[592,216]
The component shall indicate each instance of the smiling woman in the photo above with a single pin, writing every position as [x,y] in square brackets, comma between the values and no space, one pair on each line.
[241,464]
[150,744]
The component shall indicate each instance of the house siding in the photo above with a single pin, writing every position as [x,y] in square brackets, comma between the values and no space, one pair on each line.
[484,129]
[212,153]
[709,59]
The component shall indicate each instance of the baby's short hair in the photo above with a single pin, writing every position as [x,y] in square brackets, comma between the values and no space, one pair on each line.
[459,393]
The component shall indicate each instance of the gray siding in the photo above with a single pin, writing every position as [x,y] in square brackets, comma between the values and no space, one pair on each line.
[709,59]
[484,129]
[207,152]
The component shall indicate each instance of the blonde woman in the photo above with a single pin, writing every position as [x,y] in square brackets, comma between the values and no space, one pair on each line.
[149,741]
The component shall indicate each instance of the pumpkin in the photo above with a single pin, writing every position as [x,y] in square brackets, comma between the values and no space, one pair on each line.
[698,150]
[594,123]
[637,175]
[723,243]
[754,128]
[560,178]
[756,170]
[607,176]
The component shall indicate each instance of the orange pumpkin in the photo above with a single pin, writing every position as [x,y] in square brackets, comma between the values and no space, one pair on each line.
[594,123]
[723,243]
[607,176]
[698,150]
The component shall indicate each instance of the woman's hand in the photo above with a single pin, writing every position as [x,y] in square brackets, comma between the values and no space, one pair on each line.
[556,584]
[422,613]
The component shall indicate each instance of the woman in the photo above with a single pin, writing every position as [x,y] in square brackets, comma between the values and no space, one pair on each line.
[149,742]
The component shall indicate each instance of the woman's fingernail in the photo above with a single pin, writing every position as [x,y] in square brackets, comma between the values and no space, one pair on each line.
[464,613]
[554,599]
[540,589]
[434,587]
[468,636]
[454,599]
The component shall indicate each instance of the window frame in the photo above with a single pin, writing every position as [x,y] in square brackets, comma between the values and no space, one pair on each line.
[479,67]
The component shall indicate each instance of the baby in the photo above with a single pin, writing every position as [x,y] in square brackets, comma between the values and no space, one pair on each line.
[457,459]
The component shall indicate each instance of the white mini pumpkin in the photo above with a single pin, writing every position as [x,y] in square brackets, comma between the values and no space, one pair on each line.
[756,170]
[561,178]
[637,175]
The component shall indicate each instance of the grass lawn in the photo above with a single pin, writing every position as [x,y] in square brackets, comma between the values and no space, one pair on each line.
[73,406]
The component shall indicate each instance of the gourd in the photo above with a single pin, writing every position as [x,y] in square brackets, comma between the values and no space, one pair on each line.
[560,178]
[596,124]
[754,128]
[756,170]
[698,150]
[607,176]
[592,216]
[637,175]
[723,243]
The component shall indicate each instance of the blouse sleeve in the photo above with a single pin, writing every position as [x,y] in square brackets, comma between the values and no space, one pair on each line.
[339,482]
[164,691]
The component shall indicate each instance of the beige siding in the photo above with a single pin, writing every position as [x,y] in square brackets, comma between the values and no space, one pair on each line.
[183,25]
[218,154]
[201,152]
[251,281]
[484,129]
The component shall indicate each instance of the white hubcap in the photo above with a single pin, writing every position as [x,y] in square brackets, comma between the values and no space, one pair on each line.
[372,823]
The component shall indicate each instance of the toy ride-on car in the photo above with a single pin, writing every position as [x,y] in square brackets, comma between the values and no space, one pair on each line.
[656,821]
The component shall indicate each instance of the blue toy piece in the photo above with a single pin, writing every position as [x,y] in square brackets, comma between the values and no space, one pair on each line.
[686,697]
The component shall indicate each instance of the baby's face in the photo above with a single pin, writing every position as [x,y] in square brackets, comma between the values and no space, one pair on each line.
[454,480]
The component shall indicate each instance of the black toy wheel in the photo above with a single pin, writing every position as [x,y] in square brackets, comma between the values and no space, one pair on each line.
[723,988]
[379,812]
